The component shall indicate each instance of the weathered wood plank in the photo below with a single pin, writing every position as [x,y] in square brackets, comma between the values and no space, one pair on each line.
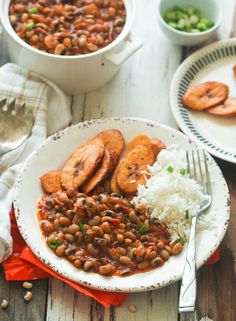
[18,309]
[150,306]
[66,304]
[217,290]
[217,283]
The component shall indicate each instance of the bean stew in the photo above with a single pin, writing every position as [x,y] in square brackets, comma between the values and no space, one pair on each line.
[104,233]
[68,27]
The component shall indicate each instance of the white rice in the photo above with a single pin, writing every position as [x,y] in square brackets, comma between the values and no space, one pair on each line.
[170,195]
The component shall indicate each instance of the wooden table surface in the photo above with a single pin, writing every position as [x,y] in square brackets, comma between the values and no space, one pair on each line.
[140,89]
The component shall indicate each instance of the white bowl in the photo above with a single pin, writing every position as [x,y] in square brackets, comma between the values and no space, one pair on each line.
[74,74]
[210,9]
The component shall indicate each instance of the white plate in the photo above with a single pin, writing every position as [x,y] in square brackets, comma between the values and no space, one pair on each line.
[212,63]
[52,155]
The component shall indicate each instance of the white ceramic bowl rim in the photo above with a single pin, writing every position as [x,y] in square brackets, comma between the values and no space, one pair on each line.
[188,34]
[130,14]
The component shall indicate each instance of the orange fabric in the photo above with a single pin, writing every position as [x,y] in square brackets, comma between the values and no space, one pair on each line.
[23,265]
[214,258]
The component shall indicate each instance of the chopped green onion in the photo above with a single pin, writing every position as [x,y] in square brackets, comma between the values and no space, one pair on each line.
[170,169]
[172,25]
[169,16]
[33,10]
[187,19]
[143,229]
[30,26]
[189,10]
[182,171]
[54,244]
[182,240]
[210,23]
[82,228]
[181,24]
[194,19]
[194,30]
[187,214]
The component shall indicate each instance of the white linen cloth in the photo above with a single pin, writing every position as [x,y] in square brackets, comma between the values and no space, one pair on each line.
[51,108]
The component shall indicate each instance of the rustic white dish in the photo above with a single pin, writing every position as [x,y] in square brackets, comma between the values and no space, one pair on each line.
[211,63]
[52,155]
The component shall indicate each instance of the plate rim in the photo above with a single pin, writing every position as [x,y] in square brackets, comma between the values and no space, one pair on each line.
[175,106]
[137,288]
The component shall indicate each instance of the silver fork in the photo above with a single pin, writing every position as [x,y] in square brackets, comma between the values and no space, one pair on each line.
[188,290]
[16,123]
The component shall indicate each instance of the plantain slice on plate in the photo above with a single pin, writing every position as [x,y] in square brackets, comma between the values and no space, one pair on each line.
[205,95]
[133,169]
[114,142]
[113,184]
[101,173]
[82,164]
[139,139]
[51,181]
[227,109]
[157,146]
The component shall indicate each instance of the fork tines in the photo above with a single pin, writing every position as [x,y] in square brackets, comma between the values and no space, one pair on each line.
[197,168]
[11,107]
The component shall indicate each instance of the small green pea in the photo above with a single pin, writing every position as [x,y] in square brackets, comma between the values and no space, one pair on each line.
[181,24]
[202,26]
[172,25]
[194,19]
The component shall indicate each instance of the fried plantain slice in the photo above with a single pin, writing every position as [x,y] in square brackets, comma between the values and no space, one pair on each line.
[113,185]
[227,109]
[133,169]
[101,173]
[205,95]
[51,182]
[139,139]
[157,146]
[82,164]
[114,141]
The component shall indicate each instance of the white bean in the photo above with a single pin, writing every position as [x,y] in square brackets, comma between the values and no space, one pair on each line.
[28,296]
[4,304]
[132,308]
[27,285]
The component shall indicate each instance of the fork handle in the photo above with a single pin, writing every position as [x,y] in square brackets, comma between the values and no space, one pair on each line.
[188,289]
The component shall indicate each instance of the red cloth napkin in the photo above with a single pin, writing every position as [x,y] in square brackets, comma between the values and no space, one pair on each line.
[23,265]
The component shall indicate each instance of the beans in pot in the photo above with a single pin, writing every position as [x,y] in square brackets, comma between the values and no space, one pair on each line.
[104,238]
[68,28]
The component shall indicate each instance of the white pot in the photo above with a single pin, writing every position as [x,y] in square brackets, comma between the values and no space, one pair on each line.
[74,74]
